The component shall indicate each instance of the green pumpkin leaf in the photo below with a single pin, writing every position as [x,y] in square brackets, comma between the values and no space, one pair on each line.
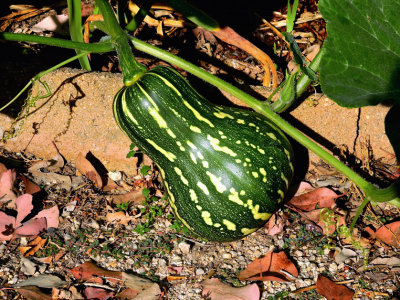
[361,65]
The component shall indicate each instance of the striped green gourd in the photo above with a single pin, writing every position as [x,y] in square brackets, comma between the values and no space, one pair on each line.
[224,169]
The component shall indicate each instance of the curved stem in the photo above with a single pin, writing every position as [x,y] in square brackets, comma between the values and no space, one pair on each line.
[374,193]
[131,69]
[304,81]
[75,29]
[101,47]
[41,74]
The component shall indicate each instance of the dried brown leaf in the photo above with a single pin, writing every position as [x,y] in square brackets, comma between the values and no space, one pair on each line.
[272,267]
[86,168]
[33,246]
[318,198]
[90,272]
[118,217]
[33,293]
[135,197]
[331,290]
[275,224]
[389,234]
[98,293]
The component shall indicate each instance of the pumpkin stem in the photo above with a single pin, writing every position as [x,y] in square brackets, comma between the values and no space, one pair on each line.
[131,68]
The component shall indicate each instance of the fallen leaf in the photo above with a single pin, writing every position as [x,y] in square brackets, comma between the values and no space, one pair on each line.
[389,234]
[146,288]
[86,168]
[100,179]
[119,217]
[303,188]
[326,220]
[33,246]
[97,293]
[214,289]
[386,261]
[31,228]
[127,294]
[56,24]
[43,281]
[88,271]
[28,267]
[333,291]
[228,35]
[51,259]
[318,198]
[275,224]
[33,293]
[7,226]
[174,270]
[49,177]
[11,227]
[6,185]
[272,267]
[30,187]
[135,196]
[51,215]
[341,254]
[3,169]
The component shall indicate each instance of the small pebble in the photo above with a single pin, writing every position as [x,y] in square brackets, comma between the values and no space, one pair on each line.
[227,256]
[94,224]
[333,268]
[298,253]
[200,271]
[184,247]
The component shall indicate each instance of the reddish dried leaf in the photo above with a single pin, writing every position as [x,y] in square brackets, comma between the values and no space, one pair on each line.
[275,224]
[52,216]
[7,226]
[214,289]
[88,271]
[318,198]
[7,179]
[3,169]
[85,167]
[175,270]
[303,188]
[88,169]
[30,187]
[135,196]
[98,293]
[33,293]
[31,228]
[127,294]
[24,207]
[118,217]
[269,268]
[13,227]
[110,185]
[332,291]
[389,234]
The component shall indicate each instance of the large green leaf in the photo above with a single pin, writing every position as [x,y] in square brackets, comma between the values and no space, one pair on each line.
[361,65]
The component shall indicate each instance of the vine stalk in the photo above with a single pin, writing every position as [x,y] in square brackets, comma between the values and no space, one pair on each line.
[133,70]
